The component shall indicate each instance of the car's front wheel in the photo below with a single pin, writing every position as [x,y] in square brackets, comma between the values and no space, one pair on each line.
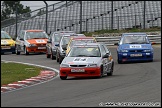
[63,77]
[57,58]
[111,71]
[52,57]
[47,55]
[25,51]
[16,50]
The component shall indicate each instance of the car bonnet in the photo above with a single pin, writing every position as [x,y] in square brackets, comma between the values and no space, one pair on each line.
[81,60]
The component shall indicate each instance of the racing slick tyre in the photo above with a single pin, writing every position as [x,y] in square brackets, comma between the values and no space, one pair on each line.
[48,55]
[119,61]
[17,52]
[25,51]
[111,71]
[53,57]
[13,52]
[63,77]
[57,59]
[101,72]
[60,59]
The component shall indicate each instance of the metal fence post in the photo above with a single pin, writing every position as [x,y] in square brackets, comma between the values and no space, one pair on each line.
[16,23]
[144,14]
[135,21]
[152,19]
[80,16]
[118,22]
[46,16]
[111,15]
[102,22]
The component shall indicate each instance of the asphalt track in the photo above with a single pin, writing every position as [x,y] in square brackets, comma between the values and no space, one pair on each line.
[135,83]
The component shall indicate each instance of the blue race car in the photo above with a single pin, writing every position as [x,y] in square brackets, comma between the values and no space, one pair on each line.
[134,47]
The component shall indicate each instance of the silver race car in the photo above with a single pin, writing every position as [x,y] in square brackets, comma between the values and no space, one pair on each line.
[87,59]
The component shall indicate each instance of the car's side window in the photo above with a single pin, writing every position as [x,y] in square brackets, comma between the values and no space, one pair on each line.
[103,51]
[22,35]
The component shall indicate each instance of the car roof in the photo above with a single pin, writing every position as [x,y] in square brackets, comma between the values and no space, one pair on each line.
[135,33]
[33,30]
[81,37]
[87,44]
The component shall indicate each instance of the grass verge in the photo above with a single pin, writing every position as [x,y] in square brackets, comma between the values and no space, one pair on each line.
[13,72]
[97,32]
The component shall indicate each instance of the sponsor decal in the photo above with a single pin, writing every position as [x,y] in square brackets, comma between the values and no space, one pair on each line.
[4,42]
[40,41]
[80,59]
[135,46]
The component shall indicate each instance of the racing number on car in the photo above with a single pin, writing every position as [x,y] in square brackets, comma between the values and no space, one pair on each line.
[105,65]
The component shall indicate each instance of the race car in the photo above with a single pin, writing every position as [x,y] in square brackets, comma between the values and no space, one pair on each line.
[31,41]
[53,43]
[7,43]
[134,47]
[87,59]
[76,40]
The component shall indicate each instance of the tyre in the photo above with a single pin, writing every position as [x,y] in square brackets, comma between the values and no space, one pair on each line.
[52,57]
[111,71]
[25,51]
[119,61]
[60,59]
[101,72]
[48,55]
[16,50]
[13,52]
[63,77]
[57,59]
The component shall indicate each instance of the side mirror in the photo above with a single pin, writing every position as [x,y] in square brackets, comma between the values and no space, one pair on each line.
[48,41]
[22,39]
[64,47]
[152,43]
[116,44]
[56,44]
[105,56]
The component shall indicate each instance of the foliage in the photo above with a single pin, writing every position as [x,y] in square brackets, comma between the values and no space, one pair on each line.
[8,9]
[122,31]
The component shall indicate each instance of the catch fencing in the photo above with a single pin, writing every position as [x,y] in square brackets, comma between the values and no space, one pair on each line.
[110,40]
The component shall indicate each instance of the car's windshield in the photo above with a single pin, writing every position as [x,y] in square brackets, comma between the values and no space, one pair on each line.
[57,38]
[135,39]
[36,35]
[5,35]
[92,51]
[65,40]
[82,41]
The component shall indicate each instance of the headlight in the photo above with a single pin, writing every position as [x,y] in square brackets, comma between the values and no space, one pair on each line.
[124,50]
[13,44]
[92,65]
[147,50]
[31,45]
[64,65]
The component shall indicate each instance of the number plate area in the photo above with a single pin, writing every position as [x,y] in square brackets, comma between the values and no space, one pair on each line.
[135,55]
[6,47]
[41,47]
[77,70]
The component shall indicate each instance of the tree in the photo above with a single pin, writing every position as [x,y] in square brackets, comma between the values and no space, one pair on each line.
[9,9]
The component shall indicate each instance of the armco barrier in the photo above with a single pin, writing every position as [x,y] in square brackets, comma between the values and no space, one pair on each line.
[110,40]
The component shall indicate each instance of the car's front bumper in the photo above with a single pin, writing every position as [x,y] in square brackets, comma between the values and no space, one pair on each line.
[8,49]
[37,49]
[137,56]
[89,71]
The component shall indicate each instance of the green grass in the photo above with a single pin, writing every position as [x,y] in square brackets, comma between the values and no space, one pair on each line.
[122,31]
[13,72]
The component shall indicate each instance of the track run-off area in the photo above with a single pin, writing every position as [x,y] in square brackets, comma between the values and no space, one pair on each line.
[137,84]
